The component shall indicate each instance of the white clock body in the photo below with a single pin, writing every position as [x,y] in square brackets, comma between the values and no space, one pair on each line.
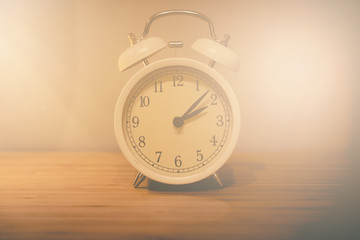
[149,133]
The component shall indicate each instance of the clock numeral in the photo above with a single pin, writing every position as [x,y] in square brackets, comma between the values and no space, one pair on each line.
[199,156]
[197,85]
[178,161]
[142,141]
[144,101]
[177,81]
[159,156]
[158,87]
[135,120]
[214,99]
[220,121]
[213,141]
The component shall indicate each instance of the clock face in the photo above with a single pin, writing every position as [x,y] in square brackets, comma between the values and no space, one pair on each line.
[177,123]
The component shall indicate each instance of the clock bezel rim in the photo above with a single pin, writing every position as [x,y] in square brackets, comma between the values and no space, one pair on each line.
[233,135]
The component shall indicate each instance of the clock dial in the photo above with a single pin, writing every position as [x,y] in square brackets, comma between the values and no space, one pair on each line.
[176,121]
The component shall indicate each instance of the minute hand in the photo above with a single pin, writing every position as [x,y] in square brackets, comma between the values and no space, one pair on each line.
[194,105]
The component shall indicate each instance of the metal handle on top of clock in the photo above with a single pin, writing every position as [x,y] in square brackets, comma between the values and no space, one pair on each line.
[144,47]
[179,12]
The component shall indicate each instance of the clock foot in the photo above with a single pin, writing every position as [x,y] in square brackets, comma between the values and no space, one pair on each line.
[139,179]
[217,179]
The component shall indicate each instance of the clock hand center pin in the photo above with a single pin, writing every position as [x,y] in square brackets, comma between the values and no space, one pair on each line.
[179,121]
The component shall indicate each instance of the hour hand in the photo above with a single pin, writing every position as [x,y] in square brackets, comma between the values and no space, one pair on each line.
[194,104]
[194,113]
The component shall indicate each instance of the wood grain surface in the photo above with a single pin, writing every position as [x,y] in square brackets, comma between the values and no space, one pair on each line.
[72,195]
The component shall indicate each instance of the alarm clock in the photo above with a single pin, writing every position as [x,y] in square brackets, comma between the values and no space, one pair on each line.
[177,120]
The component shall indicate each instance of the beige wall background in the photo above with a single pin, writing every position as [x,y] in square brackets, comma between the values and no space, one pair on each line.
[59,79]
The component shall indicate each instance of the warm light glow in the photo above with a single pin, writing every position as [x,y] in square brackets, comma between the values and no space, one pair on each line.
[59,83]
[59,76]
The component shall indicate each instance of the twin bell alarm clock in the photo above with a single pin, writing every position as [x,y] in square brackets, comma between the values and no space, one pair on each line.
[177,120]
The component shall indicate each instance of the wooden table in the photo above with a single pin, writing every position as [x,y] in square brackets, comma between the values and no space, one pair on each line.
[90,196]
